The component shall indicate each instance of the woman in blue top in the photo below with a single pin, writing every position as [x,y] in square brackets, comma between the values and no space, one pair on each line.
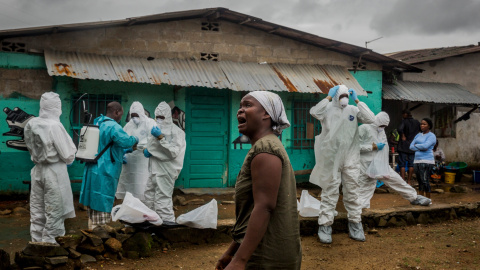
[423,145]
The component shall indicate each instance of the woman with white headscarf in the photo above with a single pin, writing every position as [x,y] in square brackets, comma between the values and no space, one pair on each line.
[373,157]
[135,174]
[266,233]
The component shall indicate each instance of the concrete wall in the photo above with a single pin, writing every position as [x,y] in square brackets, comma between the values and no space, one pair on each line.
[23,79]
[465,146]
[30,83]
[185,40]
[464,70]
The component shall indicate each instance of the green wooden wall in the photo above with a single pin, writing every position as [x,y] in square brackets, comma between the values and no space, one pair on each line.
[15,165]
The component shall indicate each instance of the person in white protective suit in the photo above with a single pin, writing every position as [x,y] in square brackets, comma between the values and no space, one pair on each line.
[135,174]
[165,150]
[337,157]
[374,164]
[52,150]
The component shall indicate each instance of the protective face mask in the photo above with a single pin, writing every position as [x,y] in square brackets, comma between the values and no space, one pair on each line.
[380,129]
[344,102]
[136,120]
[160,121]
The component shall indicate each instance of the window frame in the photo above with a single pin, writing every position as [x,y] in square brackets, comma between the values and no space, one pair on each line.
[76,109]
[299,127]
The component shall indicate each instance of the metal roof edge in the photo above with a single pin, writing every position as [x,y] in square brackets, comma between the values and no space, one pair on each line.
[433,58]
[232,16]
[414,91]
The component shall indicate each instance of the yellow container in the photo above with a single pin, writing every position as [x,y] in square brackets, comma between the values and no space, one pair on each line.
[450,178]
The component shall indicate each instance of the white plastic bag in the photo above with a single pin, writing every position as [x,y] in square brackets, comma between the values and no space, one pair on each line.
[132,210]
[309,206]
[379,168]
[203,217]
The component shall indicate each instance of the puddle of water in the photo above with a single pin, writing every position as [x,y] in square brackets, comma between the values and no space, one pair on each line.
[14,227]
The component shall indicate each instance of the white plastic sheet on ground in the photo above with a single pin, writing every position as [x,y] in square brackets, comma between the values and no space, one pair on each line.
[132,210]
[309,206]
[379,168]
[203,217]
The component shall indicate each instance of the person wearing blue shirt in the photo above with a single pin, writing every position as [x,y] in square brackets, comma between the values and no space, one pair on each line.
[423,145]
[100,180]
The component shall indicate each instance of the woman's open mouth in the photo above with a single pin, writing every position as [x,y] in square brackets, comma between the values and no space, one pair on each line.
[241,121]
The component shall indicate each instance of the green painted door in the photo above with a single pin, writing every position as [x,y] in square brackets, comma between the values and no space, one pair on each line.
[206,158]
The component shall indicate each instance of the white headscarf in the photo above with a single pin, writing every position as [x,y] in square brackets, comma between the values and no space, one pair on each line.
[50,106]
[273,104]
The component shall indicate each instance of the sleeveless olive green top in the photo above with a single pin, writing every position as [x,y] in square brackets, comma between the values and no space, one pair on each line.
[280,246]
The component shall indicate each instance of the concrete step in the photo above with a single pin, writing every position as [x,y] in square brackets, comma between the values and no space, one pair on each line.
[371,219]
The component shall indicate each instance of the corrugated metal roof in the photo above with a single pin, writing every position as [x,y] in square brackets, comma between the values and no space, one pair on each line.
[80,66]
[251,77]
[227,15]
[424,55]
[229,75]
[431,92]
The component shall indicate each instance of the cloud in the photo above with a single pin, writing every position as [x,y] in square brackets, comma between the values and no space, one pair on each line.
[428,17]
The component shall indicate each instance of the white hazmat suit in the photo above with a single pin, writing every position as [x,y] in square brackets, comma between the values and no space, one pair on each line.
[51,149]
[165,164]
[369,134]
[337,156]
[135,174]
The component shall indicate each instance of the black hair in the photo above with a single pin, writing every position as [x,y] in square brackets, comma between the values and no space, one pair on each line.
[176,109]
[407,111]
[272,123]
[429,122]
[114,106]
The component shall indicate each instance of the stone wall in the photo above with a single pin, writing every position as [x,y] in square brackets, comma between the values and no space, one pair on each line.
[31,83]
[463,70]
[186,40]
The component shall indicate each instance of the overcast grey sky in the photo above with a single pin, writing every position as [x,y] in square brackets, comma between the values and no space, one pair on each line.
[403,24]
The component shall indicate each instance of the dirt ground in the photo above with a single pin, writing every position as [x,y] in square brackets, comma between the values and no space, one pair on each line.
[452,245]
[449,245]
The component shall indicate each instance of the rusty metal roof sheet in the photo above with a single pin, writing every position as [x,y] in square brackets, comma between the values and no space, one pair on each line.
[425,55]
[430,92]
[251,77]
[80,66]
[186,73]
[230,75]
[227,15]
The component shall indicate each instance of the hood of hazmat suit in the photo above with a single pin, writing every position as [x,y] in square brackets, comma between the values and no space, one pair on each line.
[369,134]
[51,149]
[165,164]
[337,155]
[50,106]
[135,173]
[376,162]
[163,109]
